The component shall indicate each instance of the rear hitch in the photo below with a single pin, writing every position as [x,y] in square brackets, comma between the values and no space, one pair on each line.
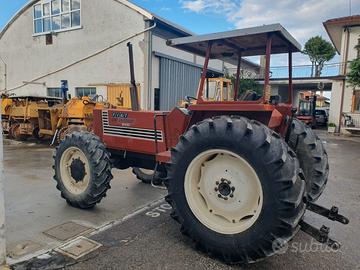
[322,234]
[332,214]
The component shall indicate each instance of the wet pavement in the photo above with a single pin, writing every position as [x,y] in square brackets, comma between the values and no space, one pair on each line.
[33,204]
[150,239]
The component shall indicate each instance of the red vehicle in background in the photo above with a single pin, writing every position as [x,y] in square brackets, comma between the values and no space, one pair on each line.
[307,111]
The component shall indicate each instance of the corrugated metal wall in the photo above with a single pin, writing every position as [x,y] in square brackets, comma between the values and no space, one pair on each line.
[177,80]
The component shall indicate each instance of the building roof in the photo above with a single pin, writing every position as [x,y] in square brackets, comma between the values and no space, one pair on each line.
[147,14]
[250,41]
[334,28]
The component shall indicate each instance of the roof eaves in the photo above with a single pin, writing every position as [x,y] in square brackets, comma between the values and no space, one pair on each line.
[344,21]
[17,15]
[175,26]
[148,15]
[331,38]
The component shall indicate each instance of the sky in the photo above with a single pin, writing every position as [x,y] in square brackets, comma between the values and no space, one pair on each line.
[302,18]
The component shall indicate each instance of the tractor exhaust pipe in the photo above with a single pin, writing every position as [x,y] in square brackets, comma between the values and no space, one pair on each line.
[133,89]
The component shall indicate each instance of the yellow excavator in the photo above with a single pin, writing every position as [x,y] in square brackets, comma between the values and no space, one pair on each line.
[71,115]
[20,115]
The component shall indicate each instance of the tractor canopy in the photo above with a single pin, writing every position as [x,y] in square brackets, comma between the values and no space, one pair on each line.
[231,46]
[249,41]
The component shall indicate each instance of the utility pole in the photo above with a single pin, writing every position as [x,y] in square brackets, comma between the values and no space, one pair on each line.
[2,203]
[5,73]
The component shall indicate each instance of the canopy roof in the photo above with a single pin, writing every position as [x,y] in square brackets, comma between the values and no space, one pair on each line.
[251,41]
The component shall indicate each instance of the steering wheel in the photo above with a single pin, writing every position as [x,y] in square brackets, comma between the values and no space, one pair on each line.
[188,99]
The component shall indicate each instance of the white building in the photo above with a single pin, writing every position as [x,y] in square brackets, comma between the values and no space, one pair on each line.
[345,35]
[84,42]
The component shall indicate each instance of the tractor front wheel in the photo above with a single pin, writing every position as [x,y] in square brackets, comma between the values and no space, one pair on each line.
[82,169]
[235,188]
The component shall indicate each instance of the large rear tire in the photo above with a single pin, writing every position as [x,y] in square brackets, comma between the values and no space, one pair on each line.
[236,189]
[82,169]
[312,156]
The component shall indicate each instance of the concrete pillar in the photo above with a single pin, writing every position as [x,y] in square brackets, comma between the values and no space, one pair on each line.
[262,66]
[2,202]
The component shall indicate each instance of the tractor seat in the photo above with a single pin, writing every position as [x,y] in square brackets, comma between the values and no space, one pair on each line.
[249,96]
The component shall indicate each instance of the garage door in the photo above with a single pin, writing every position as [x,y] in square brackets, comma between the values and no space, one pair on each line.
[177,80]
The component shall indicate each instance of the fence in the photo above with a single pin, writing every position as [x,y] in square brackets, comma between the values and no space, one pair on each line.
[305,71]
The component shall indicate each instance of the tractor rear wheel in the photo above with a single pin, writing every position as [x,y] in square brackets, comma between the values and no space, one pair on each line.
[82,169]
[236,189]
[147,176]
[312,156]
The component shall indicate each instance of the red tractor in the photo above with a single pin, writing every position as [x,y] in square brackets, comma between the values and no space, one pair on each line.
[240,174]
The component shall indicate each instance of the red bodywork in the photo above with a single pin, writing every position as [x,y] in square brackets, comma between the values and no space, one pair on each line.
[155,133]
[308,120]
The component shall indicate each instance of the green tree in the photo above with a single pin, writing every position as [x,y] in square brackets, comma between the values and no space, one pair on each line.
[353,77]
[319,51]
[246,85]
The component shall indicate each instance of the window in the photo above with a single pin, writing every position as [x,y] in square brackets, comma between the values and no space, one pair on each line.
[356,101]
[65,21]
[55,7]
[157,99]
[85,91]
[75,4]
[56,15]
[37,11]
[65,5]
[54,92]
[75,18]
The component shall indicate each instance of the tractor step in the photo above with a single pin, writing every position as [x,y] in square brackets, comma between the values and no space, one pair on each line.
[332,214]
[321,235]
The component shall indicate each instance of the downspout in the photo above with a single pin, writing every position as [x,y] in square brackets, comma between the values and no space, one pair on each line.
[344,73]
[149,60]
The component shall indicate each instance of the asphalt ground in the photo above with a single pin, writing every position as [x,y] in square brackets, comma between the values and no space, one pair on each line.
[34,205]
[150,239]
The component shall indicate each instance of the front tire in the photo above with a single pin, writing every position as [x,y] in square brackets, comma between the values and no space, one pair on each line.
[235,188]
[82,169]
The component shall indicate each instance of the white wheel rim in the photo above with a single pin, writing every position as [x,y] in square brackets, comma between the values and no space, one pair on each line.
[209,179]
[74,186]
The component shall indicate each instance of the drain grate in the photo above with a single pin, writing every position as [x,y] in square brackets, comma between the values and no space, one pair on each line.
[67,231]
[78,247]
[21,249]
